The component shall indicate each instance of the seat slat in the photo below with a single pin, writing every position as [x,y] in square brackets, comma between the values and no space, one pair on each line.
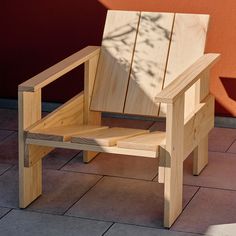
[115,61]
[148,67]
[187,45]
[148,142]
[107,137]
[62,133]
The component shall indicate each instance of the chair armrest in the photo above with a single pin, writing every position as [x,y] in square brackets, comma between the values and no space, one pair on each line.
[49,75]
[184,81]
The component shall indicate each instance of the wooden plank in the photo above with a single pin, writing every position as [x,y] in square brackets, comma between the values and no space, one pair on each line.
[30,179]
[200,154]
[187,78]
[59,69]
[107,137]
[67,114]
[173,171]
[115,61]
[94,148]
[148,67]
[198,125]
[63,133]
[90,117]
[150,141]
[187,46]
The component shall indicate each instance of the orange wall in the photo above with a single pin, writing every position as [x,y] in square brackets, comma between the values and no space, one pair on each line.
[37,34]
[221,38]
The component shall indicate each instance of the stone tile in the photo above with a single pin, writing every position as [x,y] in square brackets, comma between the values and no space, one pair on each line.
[3,211]
[23,223]
[62,189]
[131,230]
[9,189]
[8,119]
[4,134]
[58,158]
[126,123]
[125,201]
[220,139]
[219,173]
[116,165]
[9,149]
[4,167]
[208,208]
[232,148]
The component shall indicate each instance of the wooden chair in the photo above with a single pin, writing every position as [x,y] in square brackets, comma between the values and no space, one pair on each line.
[149,64]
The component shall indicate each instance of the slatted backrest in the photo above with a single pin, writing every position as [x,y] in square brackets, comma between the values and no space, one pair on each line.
[141,53]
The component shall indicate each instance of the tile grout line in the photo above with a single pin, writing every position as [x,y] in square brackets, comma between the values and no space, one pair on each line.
[230,146]
[60,168]
[9,168]
[82,195]
[5,214]
[108,229]
[13,132]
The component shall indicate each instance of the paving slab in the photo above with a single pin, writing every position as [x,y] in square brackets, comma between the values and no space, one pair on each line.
[8,119]
[4,134]
[209,209]
[116,165]
[219,173]
[131,230]
[232,148]
[220,139]
[4,167]
[23,223]
[126,201]
[3,211]
[61,190]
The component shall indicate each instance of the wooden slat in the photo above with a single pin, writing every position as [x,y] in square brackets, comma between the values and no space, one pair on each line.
[148,67]
[95,148]
[67,114]
[199,125]
[62,133]
[187,45]
[59,69]
[107,137]
[115,61]
[150,141]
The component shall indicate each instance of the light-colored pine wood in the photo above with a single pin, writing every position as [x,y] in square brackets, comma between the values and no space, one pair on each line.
[150,141]
[200,154]
[115,61]
[90,117]
[149,62]
[59,69]
[30,179]
[63,133]
[94,148]
[107,137]
[190,76]
[198,125]
[67,114]
[173,187]
[187,46]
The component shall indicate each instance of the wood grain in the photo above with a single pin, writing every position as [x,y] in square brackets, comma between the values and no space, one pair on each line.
[115,61]
[148,67]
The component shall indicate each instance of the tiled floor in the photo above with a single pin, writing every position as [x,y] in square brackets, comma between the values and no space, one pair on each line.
[115,194]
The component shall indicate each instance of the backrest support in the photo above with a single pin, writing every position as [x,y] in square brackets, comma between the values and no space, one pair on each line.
[141,53]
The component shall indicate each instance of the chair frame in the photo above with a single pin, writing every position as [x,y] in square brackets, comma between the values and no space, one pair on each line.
[183,134]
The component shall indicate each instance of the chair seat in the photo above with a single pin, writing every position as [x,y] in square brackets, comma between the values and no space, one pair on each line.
[148,142]
[63,133]
[107,137]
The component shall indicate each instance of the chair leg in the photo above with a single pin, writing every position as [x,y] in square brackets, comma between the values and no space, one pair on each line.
[173,192]
[200,156]
[30,179]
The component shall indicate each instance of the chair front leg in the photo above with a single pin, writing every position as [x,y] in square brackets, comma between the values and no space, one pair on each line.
[173,173]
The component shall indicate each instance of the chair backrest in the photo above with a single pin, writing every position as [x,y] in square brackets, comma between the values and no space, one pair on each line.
[141,53]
